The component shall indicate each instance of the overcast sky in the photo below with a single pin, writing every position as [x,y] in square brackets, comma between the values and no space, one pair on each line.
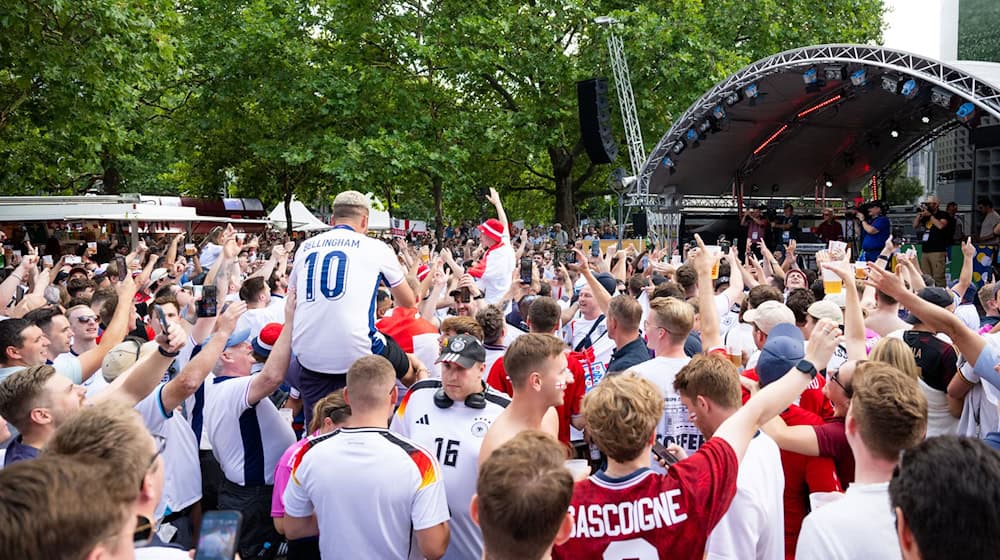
[925,27]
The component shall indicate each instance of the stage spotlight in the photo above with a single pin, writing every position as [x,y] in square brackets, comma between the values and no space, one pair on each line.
[733,97]
[894,133]
[719,112]
[859,77]
[966,112]
[751,91]
[810,76]
[910,89]
[925,117]
[835,73]
[941,97]
[704,126]
[828,183]
[891,83]
[679,147]
[692,136]
[669,164]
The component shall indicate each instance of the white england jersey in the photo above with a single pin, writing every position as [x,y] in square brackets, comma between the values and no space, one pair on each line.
[455,435]
[182,468]
[370,489]
[336,278]
[247,440]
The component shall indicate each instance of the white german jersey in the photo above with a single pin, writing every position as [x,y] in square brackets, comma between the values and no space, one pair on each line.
[455,435]
[336,277]
[370,489]
[675,426]
[247,440]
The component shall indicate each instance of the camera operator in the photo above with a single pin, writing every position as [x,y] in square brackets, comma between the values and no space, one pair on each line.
[877,229]
[939,229]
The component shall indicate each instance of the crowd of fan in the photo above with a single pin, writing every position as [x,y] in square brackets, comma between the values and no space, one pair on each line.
[503,394]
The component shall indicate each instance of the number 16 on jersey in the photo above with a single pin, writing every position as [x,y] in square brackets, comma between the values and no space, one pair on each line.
[332,275]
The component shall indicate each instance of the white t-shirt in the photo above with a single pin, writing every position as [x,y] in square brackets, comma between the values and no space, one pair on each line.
[256,319]
[756,519]
[496,278]
[674,426]
[69,366]
[182,467]
[370,489]
[576,332]
[859,525]
[455,434]
[336,277]
[493,353]
[246,439]
[979,415]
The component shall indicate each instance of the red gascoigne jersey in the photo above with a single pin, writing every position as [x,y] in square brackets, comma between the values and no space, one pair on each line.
[646,515]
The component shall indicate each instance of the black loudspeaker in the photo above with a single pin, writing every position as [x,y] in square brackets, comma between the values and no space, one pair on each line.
[639,225]
[595,120]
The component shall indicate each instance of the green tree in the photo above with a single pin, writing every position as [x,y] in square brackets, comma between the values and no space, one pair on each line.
[81,79]
[898,188]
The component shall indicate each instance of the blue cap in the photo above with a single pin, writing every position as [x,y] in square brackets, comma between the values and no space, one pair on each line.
[238,337]
[784,348]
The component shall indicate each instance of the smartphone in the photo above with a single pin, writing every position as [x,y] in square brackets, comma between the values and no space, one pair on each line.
[661,451]
[526,270]
[161,316]
[122,269]
[208,302]
[595,248]
[73,259]
[47,260]
[219,535]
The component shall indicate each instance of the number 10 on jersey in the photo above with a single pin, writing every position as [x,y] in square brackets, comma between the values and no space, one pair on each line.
[333,264]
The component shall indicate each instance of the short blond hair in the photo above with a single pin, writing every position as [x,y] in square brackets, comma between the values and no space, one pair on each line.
[626,310]
[621,413]
[712,377]
[676,316]
[889,409]
[23,391]
[369,381]
[351,204]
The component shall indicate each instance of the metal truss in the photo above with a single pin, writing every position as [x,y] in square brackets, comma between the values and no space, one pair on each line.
[626,100]
[984,94]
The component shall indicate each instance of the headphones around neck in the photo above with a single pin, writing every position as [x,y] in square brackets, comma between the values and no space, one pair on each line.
[475,400]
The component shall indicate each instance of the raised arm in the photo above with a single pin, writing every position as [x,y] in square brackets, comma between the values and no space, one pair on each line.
[139,380]
[118,327]
[735,290]
[739,428]
[273,374]
[965,277]
[703,261]
[797,439]
[601,296]
[854,320]
[195,371]
[494,199]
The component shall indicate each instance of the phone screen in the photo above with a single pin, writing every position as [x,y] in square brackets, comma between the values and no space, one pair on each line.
[208,302]
[220,531]
[526,270]
[661,451]
[122,269]
[161,316]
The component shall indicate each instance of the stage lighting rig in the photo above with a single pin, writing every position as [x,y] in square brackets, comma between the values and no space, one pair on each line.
[859,77]
[733,97]
[832,73]
[810,76]
[941,97]
[719,112]
[910,89]
[891,83]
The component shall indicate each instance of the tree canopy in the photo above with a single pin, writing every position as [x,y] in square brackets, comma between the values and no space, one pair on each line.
[426,104]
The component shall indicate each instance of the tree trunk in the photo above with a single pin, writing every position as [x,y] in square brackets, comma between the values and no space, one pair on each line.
[438,209]
[562,169]
[111,178]
[287,188]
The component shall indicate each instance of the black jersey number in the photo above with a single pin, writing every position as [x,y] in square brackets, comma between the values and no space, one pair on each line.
[447,451]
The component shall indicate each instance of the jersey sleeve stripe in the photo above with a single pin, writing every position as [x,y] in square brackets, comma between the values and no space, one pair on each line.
[301,453]
[424,462]
[423,384]
[378,346]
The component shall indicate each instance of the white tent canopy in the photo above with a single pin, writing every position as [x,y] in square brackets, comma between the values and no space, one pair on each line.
[302,218]
[378,220]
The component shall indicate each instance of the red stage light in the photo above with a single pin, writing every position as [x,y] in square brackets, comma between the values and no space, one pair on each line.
[770,139]
[819,106]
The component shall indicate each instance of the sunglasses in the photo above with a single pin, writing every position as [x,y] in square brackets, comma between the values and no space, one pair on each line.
[84,319]
[161,444]
[835,377]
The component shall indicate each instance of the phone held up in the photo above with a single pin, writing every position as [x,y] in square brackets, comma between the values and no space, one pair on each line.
[207,305]
[219,535]
[526,270]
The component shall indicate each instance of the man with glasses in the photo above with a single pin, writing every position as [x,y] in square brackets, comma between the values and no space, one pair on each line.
[888,415]
[829,229]
[939,228]
[85,325]
[113,433]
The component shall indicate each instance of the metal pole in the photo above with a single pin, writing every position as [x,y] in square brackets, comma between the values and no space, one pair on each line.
[621,218]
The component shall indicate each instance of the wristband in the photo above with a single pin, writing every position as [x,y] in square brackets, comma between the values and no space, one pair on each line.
[166,354]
